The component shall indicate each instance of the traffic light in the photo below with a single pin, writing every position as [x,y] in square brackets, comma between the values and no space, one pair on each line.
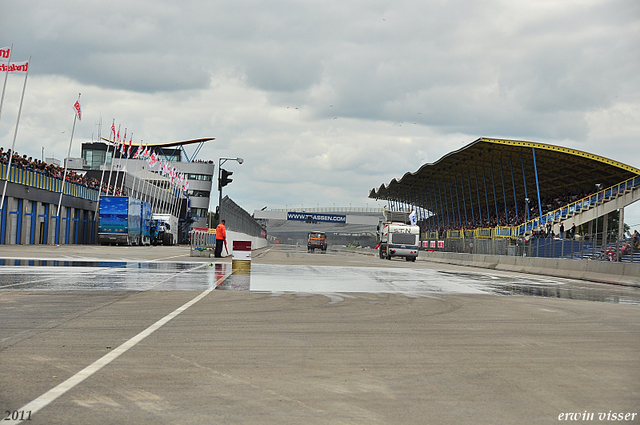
[224,179]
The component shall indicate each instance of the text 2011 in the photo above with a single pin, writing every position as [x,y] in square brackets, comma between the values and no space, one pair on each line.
[17,415]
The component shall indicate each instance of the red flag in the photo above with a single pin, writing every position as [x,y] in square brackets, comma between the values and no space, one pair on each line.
[113,130]
[137,154]
[76,106]
[129,150]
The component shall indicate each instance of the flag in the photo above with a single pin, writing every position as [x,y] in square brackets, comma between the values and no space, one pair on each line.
[129,150]
[152,160]
[186,185]
[113,130]
[412,217]
[5,54]
[76,107]
[138,151]
[15,67]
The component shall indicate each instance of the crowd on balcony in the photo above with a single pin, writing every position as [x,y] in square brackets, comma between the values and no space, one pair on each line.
[51,170]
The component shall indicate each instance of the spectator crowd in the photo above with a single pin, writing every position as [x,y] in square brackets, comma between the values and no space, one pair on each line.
[55,171]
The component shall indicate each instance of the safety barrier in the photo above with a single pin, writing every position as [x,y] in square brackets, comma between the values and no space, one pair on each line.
[454,234]
[201,242]
[502,232]
[482,233]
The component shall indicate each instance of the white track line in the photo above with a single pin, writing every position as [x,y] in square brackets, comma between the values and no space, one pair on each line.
[47,398]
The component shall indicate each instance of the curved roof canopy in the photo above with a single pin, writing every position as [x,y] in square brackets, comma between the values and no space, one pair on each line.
[164,144]
[488,170]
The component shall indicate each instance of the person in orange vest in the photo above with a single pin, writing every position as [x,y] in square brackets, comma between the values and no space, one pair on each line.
[221,238]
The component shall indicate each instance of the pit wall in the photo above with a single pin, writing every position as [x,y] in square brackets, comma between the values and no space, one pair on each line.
[597,271]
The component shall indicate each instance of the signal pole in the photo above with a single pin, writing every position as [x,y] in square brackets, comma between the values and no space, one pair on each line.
[223,179]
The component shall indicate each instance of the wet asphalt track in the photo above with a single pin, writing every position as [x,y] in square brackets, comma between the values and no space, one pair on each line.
[315,338]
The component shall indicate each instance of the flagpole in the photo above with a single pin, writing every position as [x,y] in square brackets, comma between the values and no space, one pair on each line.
[119,159]
[15,134]
[106,154]
[66,162]
[6,75]
[113,157]
[126,164]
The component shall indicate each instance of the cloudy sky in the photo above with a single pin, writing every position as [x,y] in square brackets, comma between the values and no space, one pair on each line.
[326,99]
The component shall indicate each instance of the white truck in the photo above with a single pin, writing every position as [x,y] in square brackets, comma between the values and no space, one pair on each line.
[398,238]
[164,229]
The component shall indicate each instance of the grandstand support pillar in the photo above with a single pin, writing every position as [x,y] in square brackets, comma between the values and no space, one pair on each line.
[535,170]
[524,181]
[446,207]
[513,184]
[504,195]
[495,198]
[605,229]
[486,196]
[431,208]
[439,215]
[620,230]
[473,214]
[479,201]
[458,202]
[464,201]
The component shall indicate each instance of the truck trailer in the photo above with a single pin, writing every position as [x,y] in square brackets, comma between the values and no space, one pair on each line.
[123,221]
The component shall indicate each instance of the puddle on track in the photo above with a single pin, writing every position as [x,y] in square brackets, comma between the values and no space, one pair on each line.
[26,274]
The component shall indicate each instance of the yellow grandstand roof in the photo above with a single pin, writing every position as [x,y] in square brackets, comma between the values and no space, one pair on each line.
[480,168]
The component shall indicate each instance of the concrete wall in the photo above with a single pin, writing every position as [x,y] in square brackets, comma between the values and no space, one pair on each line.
[596,271]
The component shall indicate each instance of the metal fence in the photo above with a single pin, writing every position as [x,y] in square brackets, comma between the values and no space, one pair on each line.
[601,247]
[238,220]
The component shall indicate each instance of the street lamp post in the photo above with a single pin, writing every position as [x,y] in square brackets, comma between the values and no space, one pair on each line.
[220,162]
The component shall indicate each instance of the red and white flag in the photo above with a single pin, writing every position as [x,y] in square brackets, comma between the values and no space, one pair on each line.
[76,107]
[138,151]
[15,67]
[5,54]
[129,150]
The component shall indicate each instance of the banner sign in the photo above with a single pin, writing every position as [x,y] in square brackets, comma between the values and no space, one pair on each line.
[15,67]
[309,217]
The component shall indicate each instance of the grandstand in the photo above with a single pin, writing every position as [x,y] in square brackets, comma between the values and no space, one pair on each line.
[510,192]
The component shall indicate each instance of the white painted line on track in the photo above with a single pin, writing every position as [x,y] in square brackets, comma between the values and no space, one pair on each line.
[47,398]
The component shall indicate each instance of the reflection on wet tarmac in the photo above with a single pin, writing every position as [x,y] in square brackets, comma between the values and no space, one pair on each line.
[169,276]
